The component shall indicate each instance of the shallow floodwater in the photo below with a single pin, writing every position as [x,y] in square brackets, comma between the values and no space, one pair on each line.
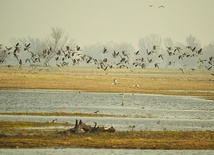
[78,151]
[146,112]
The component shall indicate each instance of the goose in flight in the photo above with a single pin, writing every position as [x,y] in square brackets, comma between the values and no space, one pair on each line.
[160,56]
[181,70]
[105,50]
[199,51]
[137,53]
[27,47]
[161,6]
[78,48]
[115,54]
[156,65]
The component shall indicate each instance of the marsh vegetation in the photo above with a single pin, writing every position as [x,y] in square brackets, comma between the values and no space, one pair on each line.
[84,79]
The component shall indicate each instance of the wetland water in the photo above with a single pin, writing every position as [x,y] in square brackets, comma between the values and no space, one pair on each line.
[146,112]
[77,151]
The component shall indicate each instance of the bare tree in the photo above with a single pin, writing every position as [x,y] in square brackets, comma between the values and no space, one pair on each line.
[57,40]
[149,41]
[192,41]
[168,43]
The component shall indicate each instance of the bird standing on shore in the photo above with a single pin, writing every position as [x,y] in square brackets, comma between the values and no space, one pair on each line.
[115,82]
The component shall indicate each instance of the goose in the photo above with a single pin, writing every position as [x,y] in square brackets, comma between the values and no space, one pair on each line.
[161,6]
[149,60]
[189,47]
[169,53]
[122,60]
[180,57]
[208,68]
[17,44]
[67,48]
[105,50]
[133,127]
[160,56]
[177,49]
[27,47]
[143,66]
[20,62]
[137,53]
[8,48]
[115,54]
[136,85]
[169,48]
[115,82]
[155,47]
[199,51]
[193,49]
[78,48]
[54,121]
[149,52]
[156,65]
[181,70]
[125,54]
[170,63]
[96,111]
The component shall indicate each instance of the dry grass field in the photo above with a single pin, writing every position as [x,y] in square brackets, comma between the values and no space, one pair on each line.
[24,135]
[153,81]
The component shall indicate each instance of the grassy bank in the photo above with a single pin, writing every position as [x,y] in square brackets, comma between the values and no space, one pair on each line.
[61,114]
[152,81]
[20,134]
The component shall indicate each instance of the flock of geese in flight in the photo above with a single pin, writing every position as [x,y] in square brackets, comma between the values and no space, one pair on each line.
[111,59]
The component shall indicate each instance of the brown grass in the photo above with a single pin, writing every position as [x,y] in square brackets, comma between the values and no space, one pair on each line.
[18,134]
[154,81]
[62,114]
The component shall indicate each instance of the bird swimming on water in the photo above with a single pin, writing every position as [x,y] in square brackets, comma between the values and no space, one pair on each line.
[96,111]
[54,121]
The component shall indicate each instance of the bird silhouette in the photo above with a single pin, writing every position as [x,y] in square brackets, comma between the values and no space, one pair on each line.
[97,111]
[161,6]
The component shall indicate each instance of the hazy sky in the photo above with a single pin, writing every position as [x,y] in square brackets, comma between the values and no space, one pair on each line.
[91,21]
